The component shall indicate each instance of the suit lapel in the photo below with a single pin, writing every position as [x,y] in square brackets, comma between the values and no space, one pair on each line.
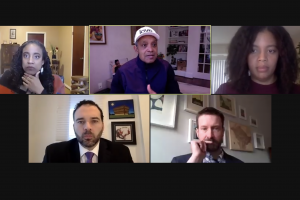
[74,154]
[104,155]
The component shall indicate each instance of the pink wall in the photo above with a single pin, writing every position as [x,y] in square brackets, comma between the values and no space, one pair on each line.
[118,45]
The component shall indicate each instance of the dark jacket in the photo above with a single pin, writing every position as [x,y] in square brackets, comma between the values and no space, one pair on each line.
[134,76]
[184,158]
[69,152]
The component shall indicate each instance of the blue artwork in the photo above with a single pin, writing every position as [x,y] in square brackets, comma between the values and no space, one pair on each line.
[121,109]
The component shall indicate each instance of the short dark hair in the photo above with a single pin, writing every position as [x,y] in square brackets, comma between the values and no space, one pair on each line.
[210,111]
[87,102]
[116,61]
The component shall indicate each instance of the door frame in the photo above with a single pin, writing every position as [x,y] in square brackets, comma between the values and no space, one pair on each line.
[45,44]
[85,27]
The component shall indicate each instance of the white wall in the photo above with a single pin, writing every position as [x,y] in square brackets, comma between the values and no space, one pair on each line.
[219,49]
[43,116]
[118,46]
[167,143]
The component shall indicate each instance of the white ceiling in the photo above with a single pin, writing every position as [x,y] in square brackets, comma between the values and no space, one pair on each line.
[224,34]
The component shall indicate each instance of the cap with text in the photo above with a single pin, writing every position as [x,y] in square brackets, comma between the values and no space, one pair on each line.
[145,31]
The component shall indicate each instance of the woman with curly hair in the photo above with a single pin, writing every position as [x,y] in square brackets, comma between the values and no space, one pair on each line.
[30,72]
[261,60]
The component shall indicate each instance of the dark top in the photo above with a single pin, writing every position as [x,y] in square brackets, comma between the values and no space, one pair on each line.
[134,76]
[255,88]
[184,158]
[116,68]
[109,152]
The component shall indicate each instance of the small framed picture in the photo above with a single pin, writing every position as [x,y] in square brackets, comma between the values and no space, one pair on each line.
[12,34]
[224,139]
[253,121]
[225,104]
[192,130]
[121,109]
[195,103]
[259,142]
[242,113]
[98,35]
[123,132]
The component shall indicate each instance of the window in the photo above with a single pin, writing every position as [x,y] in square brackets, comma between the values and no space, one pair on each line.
[218,74]
[67,103]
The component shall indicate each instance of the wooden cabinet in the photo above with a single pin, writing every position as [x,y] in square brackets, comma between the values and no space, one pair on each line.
[7,52]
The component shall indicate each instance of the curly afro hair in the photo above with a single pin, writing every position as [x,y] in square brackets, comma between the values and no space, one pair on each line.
[241,46]
[17,70]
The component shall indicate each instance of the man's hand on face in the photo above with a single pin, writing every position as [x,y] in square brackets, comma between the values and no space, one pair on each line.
[198,151]
[150,90]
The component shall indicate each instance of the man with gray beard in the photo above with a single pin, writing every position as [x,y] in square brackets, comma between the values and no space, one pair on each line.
[88,146]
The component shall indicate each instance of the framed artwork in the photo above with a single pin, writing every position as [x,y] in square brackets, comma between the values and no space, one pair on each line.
[225,104]
[259,142]
[224,144]
[253,121]
[192,130]
[163,110]
[242,113]
[97,35]
[195,103]
[133,31]
[121,109]
[240,137]
[12,34]
[123,132]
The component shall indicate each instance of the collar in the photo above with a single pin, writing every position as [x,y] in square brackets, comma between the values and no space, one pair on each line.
[149,70]
[220,156]
[146,65]
[83,150]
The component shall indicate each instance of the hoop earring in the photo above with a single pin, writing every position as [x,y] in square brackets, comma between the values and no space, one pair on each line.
[42,69]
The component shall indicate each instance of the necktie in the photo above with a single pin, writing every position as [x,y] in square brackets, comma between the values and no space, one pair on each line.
[89,156]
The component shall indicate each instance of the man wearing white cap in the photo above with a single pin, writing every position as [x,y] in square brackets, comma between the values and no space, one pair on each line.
[145,74]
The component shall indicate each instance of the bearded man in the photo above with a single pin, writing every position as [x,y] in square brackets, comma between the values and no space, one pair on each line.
[88,146]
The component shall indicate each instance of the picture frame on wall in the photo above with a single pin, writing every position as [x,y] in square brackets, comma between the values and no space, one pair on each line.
[97,35]
[253,121]
[192,130]
[240,137]
[123,132]
[242,113]
[121,109]
[133,32]
[224,143]
[225,104]
[13,34]
[259,142]
[195,103]
[163,110]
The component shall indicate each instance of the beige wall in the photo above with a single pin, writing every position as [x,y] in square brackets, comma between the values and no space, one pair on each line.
[144,102]
[86,52]
[65,52]
[52,34]
[65,55]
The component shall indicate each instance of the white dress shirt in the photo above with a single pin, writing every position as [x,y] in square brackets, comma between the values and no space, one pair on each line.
[83,150]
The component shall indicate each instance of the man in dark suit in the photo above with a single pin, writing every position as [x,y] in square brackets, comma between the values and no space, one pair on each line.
[210,131]
[88,146]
